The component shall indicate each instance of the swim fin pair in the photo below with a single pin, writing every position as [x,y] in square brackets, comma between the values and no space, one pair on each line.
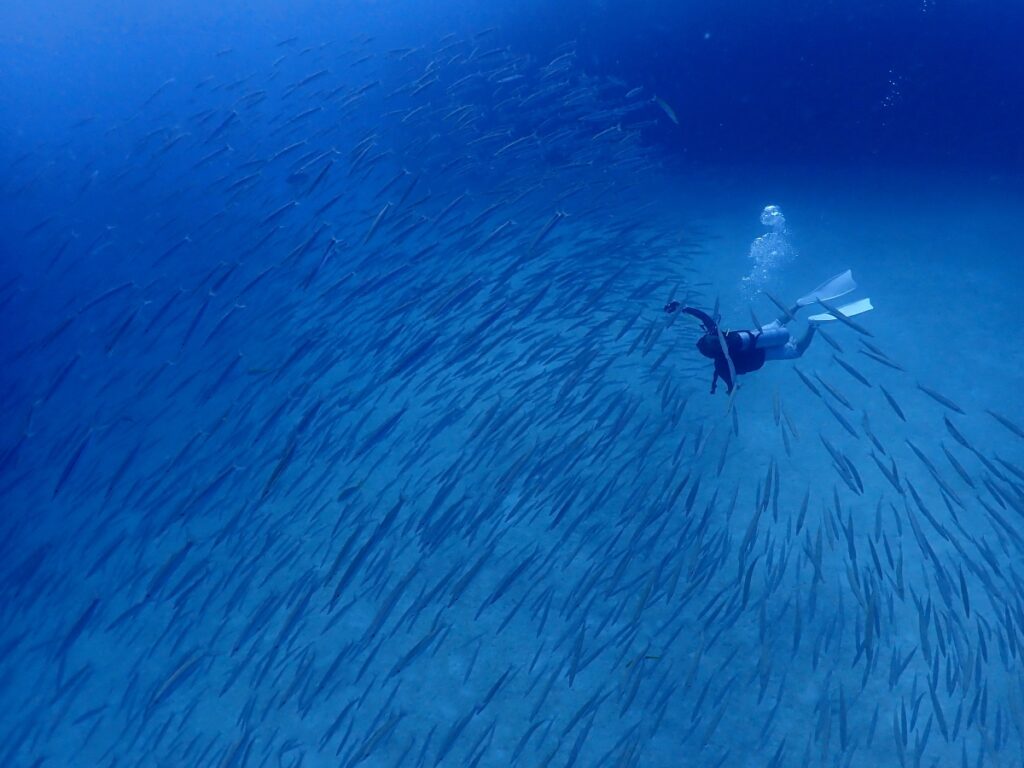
[833,288]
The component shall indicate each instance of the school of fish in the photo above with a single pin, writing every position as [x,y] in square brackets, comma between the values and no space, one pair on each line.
[343,426]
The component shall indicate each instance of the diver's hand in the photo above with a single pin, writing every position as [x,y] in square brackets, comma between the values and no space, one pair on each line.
[671,307]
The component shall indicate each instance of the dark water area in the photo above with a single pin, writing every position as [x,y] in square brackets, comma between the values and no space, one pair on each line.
[904,83]
[913,83]
[351,416]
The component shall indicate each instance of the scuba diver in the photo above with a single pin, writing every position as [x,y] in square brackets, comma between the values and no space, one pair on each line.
[739,352]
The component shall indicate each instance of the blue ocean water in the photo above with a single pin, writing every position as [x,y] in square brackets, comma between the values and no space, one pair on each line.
[344,423]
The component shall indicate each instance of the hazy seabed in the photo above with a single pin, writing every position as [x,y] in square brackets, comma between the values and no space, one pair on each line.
[427,477]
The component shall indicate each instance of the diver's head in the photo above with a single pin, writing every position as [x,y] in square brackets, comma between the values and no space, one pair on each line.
[709,345]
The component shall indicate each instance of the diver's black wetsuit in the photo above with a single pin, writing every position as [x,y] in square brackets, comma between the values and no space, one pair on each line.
[741,345]
[743,352]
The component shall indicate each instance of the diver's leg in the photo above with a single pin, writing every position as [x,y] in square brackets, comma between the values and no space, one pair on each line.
[772,337]
[805,341]
[793,348]
[781,320]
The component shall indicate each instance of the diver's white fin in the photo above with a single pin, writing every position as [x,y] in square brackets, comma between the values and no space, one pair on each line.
[847,310]
[833,288]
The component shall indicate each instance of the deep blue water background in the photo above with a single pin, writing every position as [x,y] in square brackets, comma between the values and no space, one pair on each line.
[830,82]
[929,82]
[283,486]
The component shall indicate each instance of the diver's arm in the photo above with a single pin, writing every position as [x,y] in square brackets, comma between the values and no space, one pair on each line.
[714,380]
[723,372]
